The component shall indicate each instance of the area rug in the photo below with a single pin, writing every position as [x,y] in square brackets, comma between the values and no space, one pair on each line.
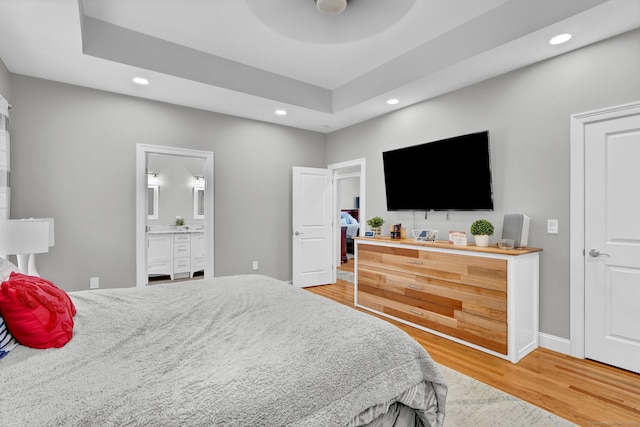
[473,403]
[347,276]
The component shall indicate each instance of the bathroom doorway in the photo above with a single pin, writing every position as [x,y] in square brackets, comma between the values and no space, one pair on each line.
[349,202]
[174,214]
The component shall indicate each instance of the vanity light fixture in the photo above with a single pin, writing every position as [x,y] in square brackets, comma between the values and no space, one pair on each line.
[152,179]
[141,81]
[198,182]
[392,101]
[281,112]
[559,39]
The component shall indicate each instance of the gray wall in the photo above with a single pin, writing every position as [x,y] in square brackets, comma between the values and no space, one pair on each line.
[73,158]
[527,113]
[348,190]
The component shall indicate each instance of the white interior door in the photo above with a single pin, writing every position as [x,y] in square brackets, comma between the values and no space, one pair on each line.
[612,241]
[312,220]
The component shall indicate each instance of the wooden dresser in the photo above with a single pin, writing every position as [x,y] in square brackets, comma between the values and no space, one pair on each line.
[486,298]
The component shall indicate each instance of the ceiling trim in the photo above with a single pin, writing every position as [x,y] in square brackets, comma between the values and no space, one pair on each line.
[107,41]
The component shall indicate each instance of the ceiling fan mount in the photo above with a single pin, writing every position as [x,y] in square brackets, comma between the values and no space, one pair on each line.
[331,7]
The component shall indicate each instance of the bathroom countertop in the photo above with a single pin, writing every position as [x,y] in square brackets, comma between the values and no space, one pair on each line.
[175,231]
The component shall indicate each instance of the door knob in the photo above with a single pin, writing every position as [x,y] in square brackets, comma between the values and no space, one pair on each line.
[596,253]
[297,233]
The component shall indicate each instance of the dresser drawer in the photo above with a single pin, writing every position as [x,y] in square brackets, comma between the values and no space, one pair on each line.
[402,310]
[436,295]
[159,267]
[181,265]
[197,264]
[182,237]
[182,249]
[482,331]
[488,273]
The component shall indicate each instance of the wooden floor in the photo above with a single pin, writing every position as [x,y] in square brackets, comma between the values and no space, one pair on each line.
[582,391]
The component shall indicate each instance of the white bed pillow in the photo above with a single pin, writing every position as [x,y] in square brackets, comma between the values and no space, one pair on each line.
[6,268]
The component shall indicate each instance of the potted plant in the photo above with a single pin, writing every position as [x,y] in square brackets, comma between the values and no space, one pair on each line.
[481,230]
[179,222]
[375,223]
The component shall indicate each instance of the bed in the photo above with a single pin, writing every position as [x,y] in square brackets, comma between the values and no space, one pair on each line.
[349,229]
[348,219]
[234,351]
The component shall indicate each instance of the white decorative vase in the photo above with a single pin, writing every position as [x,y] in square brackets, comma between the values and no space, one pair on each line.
[377,231]
[482,240]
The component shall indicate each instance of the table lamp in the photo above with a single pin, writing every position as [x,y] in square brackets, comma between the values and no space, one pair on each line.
[25,238]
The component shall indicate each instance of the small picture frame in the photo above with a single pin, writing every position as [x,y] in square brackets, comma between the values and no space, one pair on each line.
[369,234]
[458,238]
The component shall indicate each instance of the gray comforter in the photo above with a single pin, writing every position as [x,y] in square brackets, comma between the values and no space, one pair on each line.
[231,351]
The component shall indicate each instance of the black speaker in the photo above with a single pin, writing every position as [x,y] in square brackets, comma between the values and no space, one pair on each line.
[516,227]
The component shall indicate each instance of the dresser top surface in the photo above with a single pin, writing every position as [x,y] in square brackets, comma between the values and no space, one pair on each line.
[444,244]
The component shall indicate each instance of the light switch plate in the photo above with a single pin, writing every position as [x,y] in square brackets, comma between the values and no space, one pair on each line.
[552,226]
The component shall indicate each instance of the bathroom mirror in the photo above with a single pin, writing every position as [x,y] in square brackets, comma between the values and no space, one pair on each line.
[198,203]
[152,202]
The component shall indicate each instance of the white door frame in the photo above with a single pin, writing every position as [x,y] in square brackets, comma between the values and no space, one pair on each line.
[336,168]
[577,226]
[141,205]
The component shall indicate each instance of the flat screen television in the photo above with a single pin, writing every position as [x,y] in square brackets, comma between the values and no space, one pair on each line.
[445,175]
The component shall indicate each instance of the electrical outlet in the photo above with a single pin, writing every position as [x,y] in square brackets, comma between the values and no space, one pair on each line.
[552,226]
[94,283]
[255,265]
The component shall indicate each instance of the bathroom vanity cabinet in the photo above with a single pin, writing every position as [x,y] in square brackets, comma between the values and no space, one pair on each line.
[178,254]
[159,257]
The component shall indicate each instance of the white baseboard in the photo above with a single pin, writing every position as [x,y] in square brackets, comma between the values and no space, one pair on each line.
[561,345]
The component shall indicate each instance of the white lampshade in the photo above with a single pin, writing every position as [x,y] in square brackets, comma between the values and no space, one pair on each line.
[52,240]
[24,237]
[331,7]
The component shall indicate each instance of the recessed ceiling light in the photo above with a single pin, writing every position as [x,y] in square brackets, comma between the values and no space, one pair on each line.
[141,81]
[559,39]
[392,101]
[281,112]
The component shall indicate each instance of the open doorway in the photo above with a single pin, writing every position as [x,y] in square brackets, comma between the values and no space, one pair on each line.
[175,226]
[349,201]
[197,216]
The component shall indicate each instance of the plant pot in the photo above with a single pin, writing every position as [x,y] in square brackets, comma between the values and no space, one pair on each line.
[482,240]
[376,231]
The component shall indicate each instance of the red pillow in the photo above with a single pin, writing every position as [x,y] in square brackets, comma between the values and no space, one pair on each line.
[37,312]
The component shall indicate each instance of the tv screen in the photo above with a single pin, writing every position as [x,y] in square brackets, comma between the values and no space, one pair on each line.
[449,174]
